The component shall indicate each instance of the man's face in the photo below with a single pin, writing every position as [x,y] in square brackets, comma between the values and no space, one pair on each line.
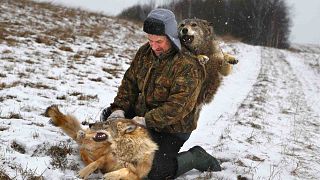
[159,44]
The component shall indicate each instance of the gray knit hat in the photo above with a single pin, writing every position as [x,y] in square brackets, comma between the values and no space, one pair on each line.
[162,22]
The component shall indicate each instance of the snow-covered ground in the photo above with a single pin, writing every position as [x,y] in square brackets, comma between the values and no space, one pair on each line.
[262,124]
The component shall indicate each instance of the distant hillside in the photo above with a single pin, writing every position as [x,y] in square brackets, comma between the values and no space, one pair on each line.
[75,32]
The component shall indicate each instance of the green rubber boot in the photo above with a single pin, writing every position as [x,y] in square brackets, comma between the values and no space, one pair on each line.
[196,158]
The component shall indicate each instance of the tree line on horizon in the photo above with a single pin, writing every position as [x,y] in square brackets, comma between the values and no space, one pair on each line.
[256,22]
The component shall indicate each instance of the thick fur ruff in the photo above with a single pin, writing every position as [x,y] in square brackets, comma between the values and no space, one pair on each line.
[122,149]
[197,39]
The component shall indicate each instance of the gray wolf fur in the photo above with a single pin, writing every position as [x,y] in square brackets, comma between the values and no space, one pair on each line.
[198,39]
[122,149]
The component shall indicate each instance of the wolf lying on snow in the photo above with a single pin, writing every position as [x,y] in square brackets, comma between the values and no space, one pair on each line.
[120,148]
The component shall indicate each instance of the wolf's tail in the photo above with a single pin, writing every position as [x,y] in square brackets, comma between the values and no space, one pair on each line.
[69,124]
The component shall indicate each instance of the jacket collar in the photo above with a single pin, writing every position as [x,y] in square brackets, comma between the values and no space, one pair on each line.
[170,53]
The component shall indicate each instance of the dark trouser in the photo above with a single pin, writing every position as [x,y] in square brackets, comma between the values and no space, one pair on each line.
[165,162]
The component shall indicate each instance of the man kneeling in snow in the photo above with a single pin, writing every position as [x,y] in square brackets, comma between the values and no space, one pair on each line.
[160,90]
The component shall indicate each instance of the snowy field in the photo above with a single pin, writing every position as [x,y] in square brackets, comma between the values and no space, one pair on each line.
[263,123]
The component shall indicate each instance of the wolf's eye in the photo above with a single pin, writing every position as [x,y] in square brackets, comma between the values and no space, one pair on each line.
[194,24]
[130,128]
[181,25]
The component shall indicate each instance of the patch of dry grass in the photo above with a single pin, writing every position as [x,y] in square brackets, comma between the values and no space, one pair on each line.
[66,48]
[42,39]
[62,33]
[80,96]
[96,53]
[3,31]
[24,172]
[39,85]
[115,72]
[94,31]
[75,93]
[92,24]
[36,124]
[4,128]
[18,147]
[102,52]
[3,175]
[88,97]
[3,86]
[13,115]
[59,153]
[3,98]
[63,97]
[98,79]
[7,51]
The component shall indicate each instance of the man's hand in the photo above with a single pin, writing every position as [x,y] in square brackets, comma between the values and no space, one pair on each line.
[140,120]
[114,115]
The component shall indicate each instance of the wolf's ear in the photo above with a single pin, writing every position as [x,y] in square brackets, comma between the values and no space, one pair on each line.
[211,30]
[210,27]
[130,128]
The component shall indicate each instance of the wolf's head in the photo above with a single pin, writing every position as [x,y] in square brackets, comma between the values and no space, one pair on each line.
[195,34]
[116,128]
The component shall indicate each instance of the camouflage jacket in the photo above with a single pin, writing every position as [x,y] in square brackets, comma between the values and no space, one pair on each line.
[163,90]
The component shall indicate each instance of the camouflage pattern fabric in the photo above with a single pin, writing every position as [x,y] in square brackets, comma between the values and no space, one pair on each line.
[164,90]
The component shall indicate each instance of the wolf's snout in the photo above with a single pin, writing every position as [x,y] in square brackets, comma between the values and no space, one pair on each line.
[184,30]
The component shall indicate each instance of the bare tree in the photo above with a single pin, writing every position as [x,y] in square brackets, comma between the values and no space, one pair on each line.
[261,22]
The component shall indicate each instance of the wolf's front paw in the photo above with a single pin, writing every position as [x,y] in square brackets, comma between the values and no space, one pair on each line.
[203,59]
[81,134]
[83,173]
[230,59]
[81,176]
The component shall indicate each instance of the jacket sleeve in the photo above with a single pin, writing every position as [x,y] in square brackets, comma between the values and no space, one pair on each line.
[128,90]
[182,98]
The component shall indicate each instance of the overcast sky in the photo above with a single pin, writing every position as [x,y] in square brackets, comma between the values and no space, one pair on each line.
[305,14]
